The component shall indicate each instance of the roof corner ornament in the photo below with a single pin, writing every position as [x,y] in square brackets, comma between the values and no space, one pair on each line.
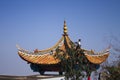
[65,28]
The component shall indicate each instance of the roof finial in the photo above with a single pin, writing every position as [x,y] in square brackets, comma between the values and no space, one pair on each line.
[65,28]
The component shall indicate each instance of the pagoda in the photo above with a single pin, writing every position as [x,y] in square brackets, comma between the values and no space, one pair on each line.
[44,60]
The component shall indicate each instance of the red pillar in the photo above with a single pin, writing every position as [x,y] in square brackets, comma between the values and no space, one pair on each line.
[88,77]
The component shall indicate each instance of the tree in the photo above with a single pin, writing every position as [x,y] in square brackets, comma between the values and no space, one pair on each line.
[114,69]
[74,62]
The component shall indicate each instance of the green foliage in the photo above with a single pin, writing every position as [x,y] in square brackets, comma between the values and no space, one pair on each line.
[73,62]
[114,73]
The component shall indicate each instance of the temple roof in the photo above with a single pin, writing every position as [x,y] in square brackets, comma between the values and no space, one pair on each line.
[47,56]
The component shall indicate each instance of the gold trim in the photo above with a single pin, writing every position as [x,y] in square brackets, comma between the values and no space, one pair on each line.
[97,59]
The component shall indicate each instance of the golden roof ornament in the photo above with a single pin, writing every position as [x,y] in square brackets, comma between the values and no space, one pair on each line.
[65,28]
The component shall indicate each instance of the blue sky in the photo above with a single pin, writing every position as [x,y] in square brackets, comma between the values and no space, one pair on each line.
[39,24]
